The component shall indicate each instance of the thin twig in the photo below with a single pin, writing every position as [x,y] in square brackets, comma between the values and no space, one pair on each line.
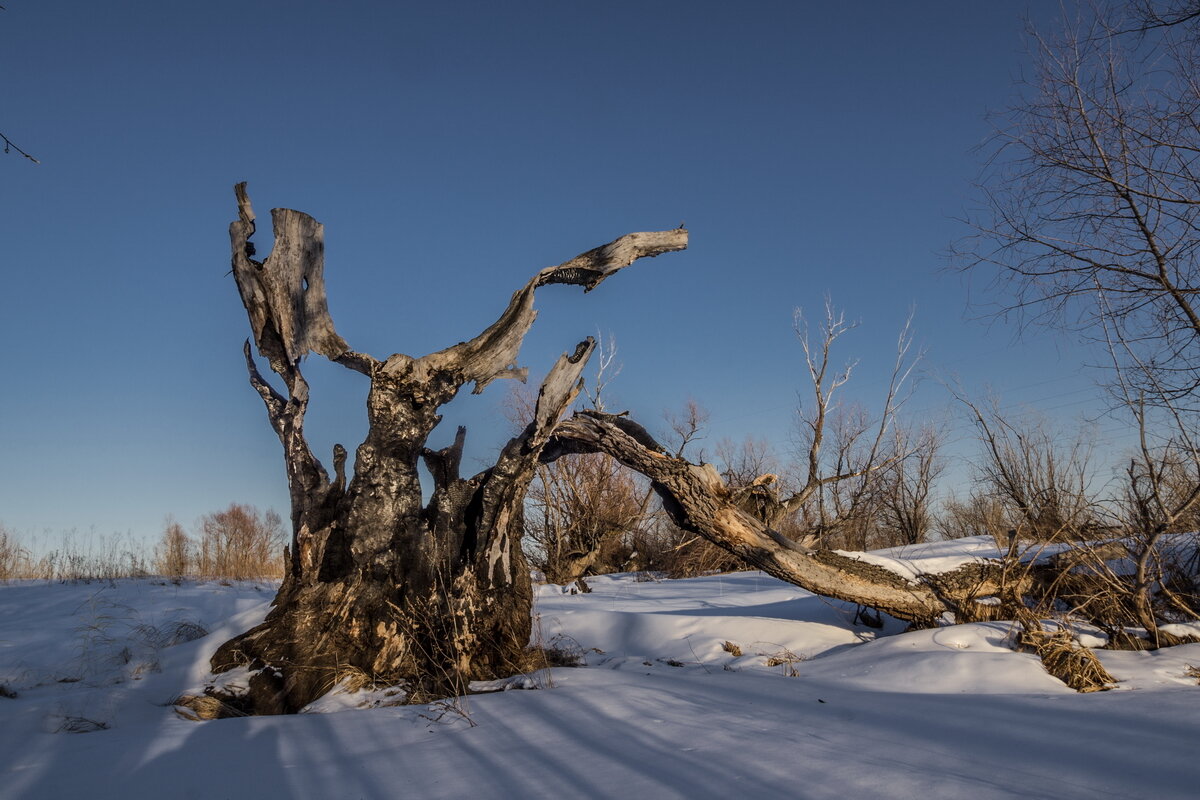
[9,145]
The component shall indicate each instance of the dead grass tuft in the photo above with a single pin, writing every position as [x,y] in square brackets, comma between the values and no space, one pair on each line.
[1065,659]
[170,634]
[80,725]
[204,707]
[352,679]
[556,656]
[13,557]
[787,659]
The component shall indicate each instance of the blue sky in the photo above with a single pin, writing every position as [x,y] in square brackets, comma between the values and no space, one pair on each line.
[451,149]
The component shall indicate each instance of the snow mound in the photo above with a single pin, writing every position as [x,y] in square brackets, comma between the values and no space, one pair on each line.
[732,684]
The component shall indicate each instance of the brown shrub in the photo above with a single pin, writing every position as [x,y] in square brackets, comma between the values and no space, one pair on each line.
[241,543]
[174,554]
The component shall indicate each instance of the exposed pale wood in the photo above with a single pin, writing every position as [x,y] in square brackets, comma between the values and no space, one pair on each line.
[504,496]
[493,353]
[591,268]
[285,295]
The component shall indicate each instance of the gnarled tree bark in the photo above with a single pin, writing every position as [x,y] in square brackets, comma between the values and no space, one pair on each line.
[379,583]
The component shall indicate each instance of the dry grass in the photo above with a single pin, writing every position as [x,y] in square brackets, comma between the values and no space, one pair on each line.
[71,556]
[12,555]
[204,707]
[696,557]
[786,659]
[1064,658]
[80,725]
[170,634]
[559,654]
[237,544]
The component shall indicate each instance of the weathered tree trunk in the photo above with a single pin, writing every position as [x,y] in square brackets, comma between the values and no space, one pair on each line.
[379,583]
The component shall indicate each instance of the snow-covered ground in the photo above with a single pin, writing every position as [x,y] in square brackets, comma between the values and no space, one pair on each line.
[815,706]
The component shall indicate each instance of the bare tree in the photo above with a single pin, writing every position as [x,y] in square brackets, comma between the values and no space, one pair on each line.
[378,580]
[1148,15]
[744,466]
[607,369]
[906,489]
[1091,211]
[687,427]
[174,554]
[1044,486]
[9,146]
[980,514]
[1091,218]
[239,542]
[582,513]
[1162,497]
[700,502]
[845,448]
[661,545]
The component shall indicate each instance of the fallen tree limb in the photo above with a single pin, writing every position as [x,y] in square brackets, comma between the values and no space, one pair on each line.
[699,502]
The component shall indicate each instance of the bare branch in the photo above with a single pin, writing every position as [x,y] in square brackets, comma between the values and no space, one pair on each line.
[1091,189]
[855,455]
[607,369]
[493,353]
[9,145]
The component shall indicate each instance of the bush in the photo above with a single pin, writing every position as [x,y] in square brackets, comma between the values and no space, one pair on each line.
[13,557]
[174,555]
[241,543]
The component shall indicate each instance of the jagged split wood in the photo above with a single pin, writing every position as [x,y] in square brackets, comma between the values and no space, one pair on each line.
[435,594]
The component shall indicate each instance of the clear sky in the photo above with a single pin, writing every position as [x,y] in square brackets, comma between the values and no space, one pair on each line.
[452,149]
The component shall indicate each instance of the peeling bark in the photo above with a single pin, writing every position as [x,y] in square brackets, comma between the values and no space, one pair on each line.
[432,595]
